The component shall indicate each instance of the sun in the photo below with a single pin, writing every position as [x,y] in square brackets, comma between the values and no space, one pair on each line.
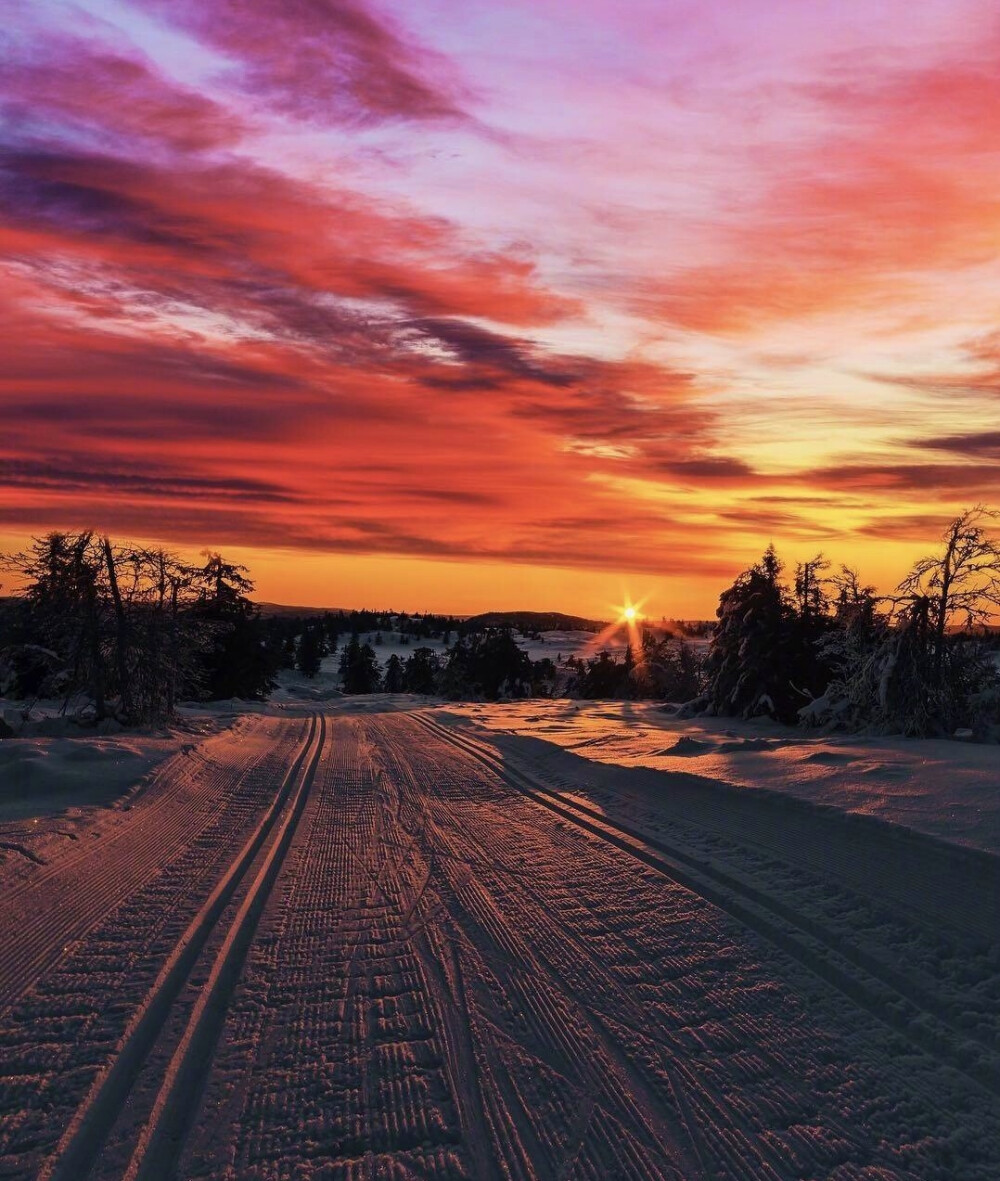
[629,614]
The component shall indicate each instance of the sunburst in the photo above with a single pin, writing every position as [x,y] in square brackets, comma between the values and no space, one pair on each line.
[628,618]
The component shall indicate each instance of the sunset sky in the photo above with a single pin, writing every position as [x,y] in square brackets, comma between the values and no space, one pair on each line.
[454,305]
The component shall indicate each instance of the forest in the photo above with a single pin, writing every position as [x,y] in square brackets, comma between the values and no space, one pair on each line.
[124,631]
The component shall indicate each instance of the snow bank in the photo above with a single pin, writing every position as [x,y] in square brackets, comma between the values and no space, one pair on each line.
[936,786]
[51,766]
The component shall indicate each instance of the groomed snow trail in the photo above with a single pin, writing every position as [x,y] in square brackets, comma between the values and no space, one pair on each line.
[203,794]
[440,963]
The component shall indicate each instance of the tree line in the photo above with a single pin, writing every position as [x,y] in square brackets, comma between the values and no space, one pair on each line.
[127,631]
[825,648]
[486,664]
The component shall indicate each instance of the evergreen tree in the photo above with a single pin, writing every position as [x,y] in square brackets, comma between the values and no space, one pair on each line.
[361,673]
[309,657]
[350,654]
[750,659]
[488,664]
[421,672]
[67,612]
[240,664]
[601,677]
[392,681]
[670,669]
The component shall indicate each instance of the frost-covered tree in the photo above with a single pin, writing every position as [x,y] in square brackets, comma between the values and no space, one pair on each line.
[958,586]
[749,668]
[670,669]
[913,662]
[851,650]
[935,675]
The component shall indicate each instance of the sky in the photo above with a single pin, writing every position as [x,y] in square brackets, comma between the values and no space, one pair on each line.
[535,304]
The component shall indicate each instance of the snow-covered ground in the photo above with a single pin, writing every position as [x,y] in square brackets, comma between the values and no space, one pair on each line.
[940,787]
[356,941]
[651,961]
[53,767]
[944,788]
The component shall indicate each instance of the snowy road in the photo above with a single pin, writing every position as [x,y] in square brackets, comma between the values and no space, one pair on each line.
[374,945]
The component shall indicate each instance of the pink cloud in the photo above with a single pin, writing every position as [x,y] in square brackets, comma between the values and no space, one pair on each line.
[93,87]
[355,321]
[324,60]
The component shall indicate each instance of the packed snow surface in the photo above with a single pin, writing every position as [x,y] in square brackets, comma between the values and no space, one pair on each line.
[380,937]
[941,787]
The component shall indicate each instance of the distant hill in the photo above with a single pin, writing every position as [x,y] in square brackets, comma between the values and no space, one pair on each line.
[271,609]
[526,621]
[533,621]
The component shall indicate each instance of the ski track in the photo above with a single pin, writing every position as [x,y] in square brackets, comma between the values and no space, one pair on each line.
[191,798]
[80,1020]
[440,963]
[909,1000]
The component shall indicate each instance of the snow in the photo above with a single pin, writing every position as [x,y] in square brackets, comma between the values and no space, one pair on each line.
[940,787]
[597,952]
[55,767]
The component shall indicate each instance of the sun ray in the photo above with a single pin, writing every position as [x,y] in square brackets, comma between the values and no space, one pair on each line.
[628,619]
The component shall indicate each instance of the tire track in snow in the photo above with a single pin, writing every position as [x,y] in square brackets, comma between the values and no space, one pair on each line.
[582,1051]
[567,903]
[342,1061]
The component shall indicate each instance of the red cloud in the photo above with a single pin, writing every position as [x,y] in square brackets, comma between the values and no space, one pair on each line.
[205,345]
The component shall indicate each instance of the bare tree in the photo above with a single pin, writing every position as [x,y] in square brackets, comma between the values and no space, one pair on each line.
[959,584]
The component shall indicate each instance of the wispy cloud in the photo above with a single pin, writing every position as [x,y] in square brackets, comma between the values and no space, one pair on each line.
[643,292]
[324,60]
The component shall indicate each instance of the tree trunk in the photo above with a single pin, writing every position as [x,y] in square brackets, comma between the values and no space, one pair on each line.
[96,660]
[121,630]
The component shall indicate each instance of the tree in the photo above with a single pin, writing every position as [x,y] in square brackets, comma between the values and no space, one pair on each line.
[488,664]
[854,651]
[932,677]
[361,671]
[749,657]
[913,661]
[65,612]
[224,588]
[670,669]
[959,584]
[810,593]
[392,681]
[309,657]
[421,671]
[601,677]
[114,621]
[240,663]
